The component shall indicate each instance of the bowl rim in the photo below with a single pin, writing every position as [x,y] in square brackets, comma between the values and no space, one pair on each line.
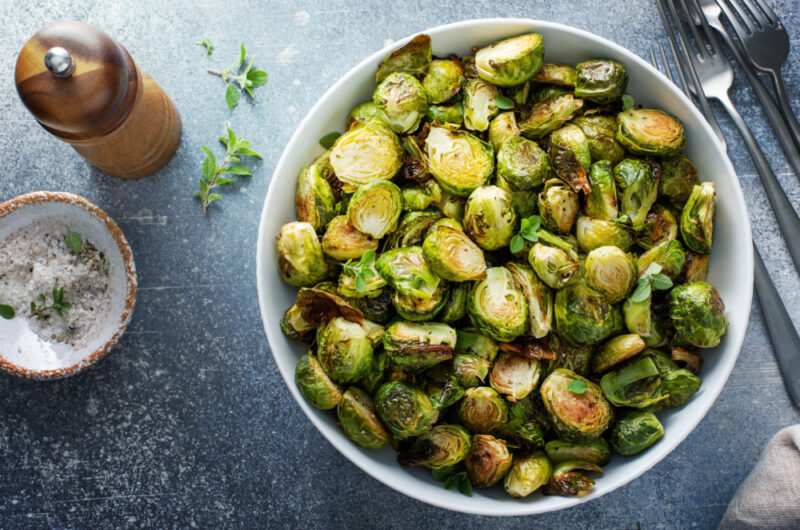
[131,282]
[658,451]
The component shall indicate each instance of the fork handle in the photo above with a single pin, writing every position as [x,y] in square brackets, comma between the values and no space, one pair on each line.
[780,328]
[786,107]
[788,221]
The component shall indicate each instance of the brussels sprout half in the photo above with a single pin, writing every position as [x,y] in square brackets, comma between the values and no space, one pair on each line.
[650,132]
[511,61]
[567,482]
[451,254]
[482,410]
[496,307]
[420,309]
[635,432]
[595,452]
[502,127]
[697,219]
[362,113]
[470,369]
[548,115]
[375,208]
[447,116]
[583,316]
[295,326]
[404,409]
[411,230]
[638,186]
[343,241]
[695,268]
[678,177]
[479,104]
[483,346]
[360,422]
[579,411]
[413,58]
[527,474]
[459,162]
[601,80]
[610,271]
[441,447]
[660,226]
[571,137]
[490,218]
[669,254]
[556,74]
[552,265]
[488,460]
[601,202]
[401,101]
[559,206]
[367,152]
[372,288]
[599,130]
[538,297]
[514,376]
[636,384]
[577,359]
[595,233]
[315,202]
[616,351]
[406,271]
[443,80]
[456,307]
[422,196]
[639,319]
[522,163]
[344,350]
[417,346]
[300,258]
[315,385]
[698,314]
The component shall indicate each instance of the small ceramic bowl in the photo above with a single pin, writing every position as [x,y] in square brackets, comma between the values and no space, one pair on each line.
[22,352]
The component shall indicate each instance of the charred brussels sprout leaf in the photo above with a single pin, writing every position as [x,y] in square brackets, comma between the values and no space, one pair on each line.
[360,422]
[413,58]
[401,101]
[490,218]
[650,132]
[315,385]
[576,417]
[451,254]
[548,115]
[375,208]
[595,452]
[367,152]
[678,177]
[522,163]
[404,409]
[610,271]
[637,384]
[527,474]
[496,307]
[568,482]
[635,432]
[406,271]
[443,80]
[638,185]
[697,219]
[488,460]
[343,241]
[459,162]
[480,104]
[511,61]
[698,314]
[572,138]
[418,346]
[482,410]
[600,81]
[300,258]
[344,350]
[583,316]
[441,447]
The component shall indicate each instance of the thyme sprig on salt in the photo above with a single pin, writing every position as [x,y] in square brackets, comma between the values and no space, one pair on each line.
[58,306]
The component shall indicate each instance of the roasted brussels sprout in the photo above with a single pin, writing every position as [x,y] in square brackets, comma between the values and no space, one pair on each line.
[367,152]
[456,307]
[413,58]
[514,376]
[552,265]
[595,452]
[548,115]
[697,219]
[567,482]
[496,307]
[451,254]
[415,346]
[601,202]
[343,241]
[300,258]
[295,326]
[583,316]
[599,130]
[695,268]
[678,177]
[650,132]
[502,127]
[639,319]
[314,199]
[545,92]
[377,375]
[453,206]
[638,186]
[401,101]
[596,233]
[360,422]
[441,447]
[321,303]
[698,314]
[522,163]
[538,297]
[527,474]
[406,271]
[362,113]
[375,208]
[511,61]
[445,393]
[615,351]
[488,460]
[470,369]
[411,230]
[483,346]
[660,226]
[610,271]
[635,432]
[447,116]
[315,385]
[679,385]
[479,104]
[571,137]
[344,350]
[420,308]
[524,201]
[372,288]
[577,359]
[559,206]
[482,410]
[669,255]
[490,218]
[443,80]
[601,80]
[404,409]
[459,162]
[556,74]
[378,308]
[636,384]
[422,196]
[577,407]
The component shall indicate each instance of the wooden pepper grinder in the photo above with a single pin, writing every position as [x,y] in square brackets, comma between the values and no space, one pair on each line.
[84,88]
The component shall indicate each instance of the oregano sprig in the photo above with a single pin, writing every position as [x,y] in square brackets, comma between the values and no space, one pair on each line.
[218,175]
[451,478]
[504,103]
[576,386]
[208,45]
[627,101]
[57,306]
[528,230]
[361,270]
[651,280]
[247,79]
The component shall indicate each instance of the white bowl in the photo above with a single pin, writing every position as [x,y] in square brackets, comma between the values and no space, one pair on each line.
[731,262]
[22,352]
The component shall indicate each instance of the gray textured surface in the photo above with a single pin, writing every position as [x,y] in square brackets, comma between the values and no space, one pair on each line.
[187,422]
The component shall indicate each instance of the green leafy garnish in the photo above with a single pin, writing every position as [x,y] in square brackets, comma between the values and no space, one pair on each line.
[504,103]
[362,270]
[207,43]
[465,339]
[74,241]
[329,139]
[213,173]
[528,230]
[58,306]
[576,386]
[652,279]
[7,312]
[627,102]
[451,478]
[246,78]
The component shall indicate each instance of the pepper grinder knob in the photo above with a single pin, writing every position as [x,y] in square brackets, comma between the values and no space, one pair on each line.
[59,62]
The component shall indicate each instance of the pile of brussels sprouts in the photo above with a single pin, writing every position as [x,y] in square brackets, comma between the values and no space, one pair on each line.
[502,268]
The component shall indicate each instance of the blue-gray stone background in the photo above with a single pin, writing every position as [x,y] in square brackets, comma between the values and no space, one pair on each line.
[187,422]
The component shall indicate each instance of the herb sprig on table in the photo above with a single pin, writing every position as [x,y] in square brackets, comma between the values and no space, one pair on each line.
[208,45]
[227,171]
[57,306]
[7,312]
[247,79]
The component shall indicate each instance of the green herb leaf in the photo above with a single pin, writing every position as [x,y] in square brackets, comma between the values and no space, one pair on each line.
[257,77]
[576,386]
[74,241]
[238,170]
[642,291]
[207,43]
[232,97]
[7,312]
[504,103]
[627,102]
[361,283]
[451,481]
[247,152]
[660,282]
[517,244]
[368,258]
[465,339]
[328,140]
[212,173]
[465,487]
[242,54]
[653,268]
[440,475]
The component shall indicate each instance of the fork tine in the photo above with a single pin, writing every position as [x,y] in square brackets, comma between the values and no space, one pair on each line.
[653,58]
[757,13]
[710,39]
[698,40]
[667,69]
[738,28]
[743,15]
[770,14]
[684,85]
